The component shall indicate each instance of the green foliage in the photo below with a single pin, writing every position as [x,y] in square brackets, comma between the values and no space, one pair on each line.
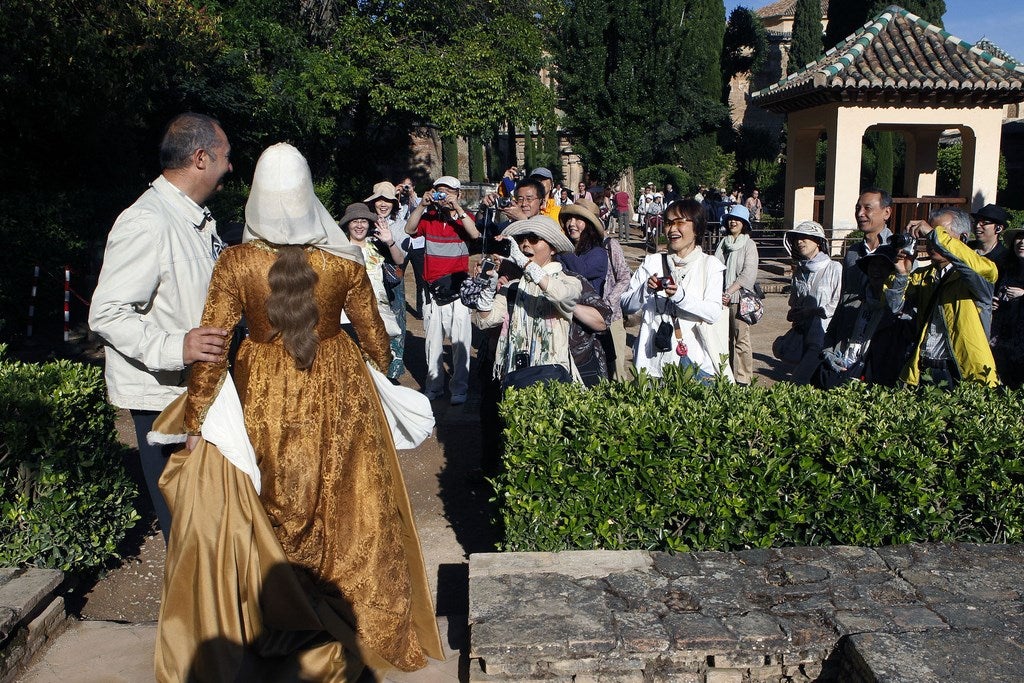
[706,163]
[477,171]
[676,465]
[702,40]
[450,156]
[884,161]
[807,45]
[745,45]
[757,159]
[633,79]
[65,500]
[948,171]
[661,174]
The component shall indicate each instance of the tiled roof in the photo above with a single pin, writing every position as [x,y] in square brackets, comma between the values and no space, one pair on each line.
[785,8]
[988,46]
[899,57]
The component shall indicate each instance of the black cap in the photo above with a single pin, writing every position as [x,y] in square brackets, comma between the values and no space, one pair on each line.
[993,213]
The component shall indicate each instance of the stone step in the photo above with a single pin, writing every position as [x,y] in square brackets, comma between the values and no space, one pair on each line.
[838,613]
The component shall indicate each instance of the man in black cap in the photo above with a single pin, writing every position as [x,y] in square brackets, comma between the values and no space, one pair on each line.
[989,223]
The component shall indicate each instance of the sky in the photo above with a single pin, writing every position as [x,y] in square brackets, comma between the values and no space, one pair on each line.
[1001,21]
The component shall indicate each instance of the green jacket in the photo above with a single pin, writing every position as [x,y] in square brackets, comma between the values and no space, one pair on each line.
[965,295]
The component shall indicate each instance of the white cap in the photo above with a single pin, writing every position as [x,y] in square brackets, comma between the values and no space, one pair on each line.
[448,181]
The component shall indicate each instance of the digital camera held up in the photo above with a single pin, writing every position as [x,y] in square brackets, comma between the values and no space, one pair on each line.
[438,196]
[504,202]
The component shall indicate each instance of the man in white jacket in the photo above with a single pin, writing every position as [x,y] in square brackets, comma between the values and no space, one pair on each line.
[151,290]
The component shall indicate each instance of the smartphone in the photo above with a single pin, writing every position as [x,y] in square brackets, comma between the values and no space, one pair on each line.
[499,247]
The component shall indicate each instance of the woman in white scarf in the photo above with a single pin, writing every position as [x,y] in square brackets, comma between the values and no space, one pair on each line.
[738,252]
[684,300]
[813,299]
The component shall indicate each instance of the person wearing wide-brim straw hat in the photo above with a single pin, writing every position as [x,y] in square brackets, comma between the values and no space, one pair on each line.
[814,296]
[539,308]
[585,230]
[598,257]
[390,234]
[312,515]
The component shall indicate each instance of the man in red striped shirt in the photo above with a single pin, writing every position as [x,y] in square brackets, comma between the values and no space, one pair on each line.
[447,228]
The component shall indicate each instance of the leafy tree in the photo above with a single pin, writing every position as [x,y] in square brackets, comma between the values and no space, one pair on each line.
[807,45]
[745,44]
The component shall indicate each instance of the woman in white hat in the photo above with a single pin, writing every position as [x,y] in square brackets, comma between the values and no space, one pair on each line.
[814,296]
[679,293]
[534,345]
[312,560]
[738,251]
[388,233]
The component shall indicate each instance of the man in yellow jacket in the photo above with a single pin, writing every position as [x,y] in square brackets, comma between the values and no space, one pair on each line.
[953,302]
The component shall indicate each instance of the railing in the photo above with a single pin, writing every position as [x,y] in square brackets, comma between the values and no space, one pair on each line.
[904,209]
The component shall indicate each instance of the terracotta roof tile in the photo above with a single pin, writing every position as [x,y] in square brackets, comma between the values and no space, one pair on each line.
[785,8]
[899,56]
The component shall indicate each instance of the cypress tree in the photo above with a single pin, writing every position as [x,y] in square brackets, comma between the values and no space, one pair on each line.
[703,35]
[884,161]
[745,44]
[806,46]
[450,156]
[476,160]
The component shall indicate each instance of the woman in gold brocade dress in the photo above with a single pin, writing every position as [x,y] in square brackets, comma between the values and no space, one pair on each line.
[349,591]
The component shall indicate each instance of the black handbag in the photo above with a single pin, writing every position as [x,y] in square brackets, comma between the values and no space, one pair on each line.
[518,379]
[447,289]
[392,275]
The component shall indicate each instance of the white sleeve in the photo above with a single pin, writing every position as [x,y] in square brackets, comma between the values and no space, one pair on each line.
[127,284]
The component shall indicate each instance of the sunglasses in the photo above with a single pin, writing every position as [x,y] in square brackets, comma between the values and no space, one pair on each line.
[530,237]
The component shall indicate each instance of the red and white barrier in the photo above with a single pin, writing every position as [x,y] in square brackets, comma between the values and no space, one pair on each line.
[32,301]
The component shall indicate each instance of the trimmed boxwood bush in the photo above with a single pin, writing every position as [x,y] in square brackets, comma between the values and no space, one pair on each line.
[65,499]
[677,465]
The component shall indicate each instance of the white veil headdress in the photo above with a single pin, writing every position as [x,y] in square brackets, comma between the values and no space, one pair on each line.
[283,209]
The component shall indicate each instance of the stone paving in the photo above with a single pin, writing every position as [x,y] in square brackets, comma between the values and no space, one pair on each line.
[904,613]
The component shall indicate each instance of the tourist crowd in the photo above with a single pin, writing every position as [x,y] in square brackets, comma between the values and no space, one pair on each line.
[267,548]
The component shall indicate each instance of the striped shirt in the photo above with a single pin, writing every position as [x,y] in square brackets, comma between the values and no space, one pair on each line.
[446,249]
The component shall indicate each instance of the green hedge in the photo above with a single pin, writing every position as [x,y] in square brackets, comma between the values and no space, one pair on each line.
[682,466]
[65,499]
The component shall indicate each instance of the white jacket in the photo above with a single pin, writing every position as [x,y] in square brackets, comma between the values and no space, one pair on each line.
[151,291]
[697,305]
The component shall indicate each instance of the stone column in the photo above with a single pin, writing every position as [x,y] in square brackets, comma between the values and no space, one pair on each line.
[842,172]
[800,148]
[979,165]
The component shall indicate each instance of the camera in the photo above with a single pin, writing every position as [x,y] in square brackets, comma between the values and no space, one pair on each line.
[903,242]
[504,202]
[486,266]
[496,246]
[664,282]
[438,196]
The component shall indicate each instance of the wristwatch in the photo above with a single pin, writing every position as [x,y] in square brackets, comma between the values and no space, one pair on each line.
[460,217]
